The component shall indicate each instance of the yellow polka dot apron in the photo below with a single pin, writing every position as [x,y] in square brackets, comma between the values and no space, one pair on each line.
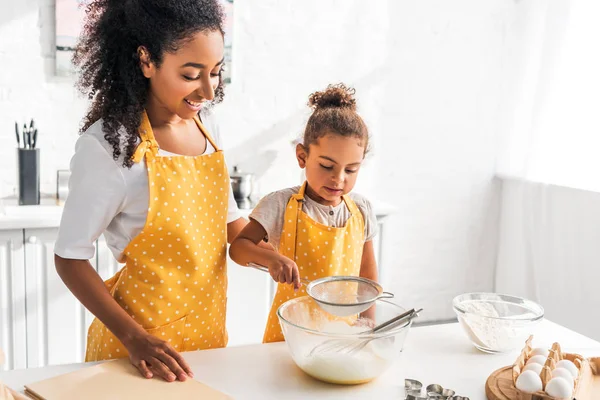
[318,250]
[174,282]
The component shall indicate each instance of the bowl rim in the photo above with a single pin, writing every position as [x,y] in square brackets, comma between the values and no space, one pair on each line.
[531,305]
[364,335]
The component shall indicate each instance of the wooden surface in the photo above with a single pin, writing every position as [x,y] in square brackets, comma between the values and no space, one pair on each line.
[118,380]
[499,385]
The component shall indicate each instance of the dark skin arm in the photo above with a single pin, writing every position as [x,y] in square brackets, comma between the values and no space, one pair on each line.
[368,269]
[149,354]
[248,247]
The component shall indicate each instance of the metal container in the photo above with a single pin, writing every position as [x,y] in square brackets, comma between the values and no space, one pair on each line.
[62,185]
[242,185]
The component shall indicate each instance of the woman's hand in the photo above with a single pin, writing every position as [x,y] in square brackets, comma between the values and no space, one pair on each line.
[153,356]
[284,270]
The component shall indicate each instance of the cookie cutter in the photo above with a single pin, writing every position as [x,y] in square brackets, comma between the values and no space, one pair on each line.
[414,388]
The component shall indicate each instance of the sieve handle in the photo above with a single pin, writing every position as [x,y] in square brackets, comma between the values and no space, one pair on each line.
[408,315]
[265,269]
[386,295]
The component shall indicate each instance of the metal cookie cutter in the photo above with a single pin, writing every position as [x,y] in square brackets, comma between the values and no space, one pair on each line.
[412,388]
[436,391]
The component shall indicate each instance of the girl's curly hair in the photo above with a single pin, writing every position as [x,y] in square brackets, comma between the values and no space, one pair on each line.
[108,63]
[334,111]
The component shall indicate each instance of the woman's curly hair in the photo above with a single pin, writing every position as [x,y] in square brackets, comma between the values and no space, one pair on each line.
[107,59]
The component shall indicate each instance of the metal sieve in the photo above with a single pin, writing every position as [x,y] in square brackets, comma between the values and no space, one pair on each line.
[342,296]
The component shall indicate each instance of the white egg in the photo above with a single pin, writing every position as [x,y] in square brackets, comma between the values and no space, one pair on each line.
[563,373]
[540,351]
[529,382]
[537,360]
[537,368]
[559,388]
[569,366]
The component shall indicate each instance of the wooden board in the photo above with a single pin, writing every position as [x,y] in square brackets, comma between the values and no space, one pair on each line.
[118,380]
[499,385]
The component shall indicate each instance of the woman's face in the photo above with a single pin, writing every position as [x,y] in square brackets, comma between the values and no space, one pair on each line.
[188,77]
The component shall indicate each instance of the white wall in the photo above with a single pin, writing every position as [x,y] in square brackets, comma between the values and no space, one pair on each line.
[428,78]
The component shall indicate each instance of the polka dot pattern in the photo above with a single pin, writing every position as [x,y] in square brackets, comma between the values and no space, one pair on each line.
[174,282]
[318,250]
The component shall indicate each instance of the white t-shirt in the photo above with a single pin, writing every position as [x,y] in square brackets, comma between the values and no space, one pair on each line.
[270,211]
[106,197]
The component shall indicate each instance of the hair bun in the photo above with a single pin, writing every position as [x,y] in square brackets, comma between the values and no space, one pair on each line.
[335,96]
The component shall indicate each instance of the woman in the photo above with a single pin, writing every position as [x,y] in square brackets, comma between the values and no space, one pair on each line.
[149,173]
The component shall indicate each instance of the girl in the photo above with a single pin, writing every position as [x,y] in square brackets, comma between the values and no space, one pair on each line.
[318,229]
[148,172]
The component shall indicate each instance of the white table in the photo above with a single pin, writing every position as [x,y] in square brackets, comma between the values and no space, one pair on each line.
[433,354]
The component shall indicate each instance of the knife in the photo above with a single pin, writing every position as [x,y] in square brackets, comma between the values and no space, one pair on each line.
[26,141]
[34,138]
[17,133]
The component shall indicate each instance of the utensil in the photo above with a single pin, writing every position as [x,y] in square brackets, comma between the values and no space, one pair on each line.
[352,346]
[346,295]
[17,133]
[412,384]
[34,138]
[342,296]
[26,138]
[265,269]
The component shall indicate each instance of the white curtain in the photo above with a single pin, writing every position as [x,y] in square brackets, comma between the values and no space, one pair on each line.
[553,94]
[549,246]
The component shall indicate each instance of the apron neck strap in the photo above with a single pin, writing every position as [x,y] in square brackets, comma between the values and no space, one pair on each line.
[292,211]
[148,146]
[300,195]
[205,133]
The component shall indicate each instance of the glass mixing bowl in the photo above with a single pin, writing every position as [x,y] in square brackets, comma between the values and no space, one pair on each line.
[497,323]
[306,326]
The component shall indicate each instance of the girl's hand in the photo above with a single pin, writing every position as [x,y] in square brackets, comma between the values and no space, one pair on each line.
[153,356]
[284,270]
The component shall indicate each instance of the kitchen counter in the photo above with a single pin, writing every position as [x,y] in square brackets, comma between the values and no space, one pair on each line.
[433,354]
[48,214]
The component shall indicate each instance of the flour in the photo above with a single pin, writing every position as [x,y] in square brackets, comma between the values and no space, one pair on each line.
[489,333]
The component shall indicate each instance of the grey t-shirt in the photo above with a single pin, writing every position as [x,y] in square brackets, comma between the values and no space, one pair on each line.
[270,210]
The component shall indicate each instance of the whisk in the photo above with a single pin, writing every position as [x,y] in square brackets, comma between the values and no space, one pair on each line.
[350,346]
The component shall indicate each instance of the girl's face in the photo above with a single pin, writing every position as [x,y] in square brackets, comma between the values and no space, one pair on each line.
[187,78]
[332,164]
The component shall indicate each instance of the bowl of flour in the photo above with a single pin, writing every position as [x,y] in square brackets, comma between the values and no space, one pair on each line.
[497,323]
[307,327]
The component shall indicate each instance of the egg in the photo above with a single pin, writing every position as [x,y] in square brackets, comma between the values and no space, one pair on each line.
[537,360]
[529,382]
[540,351]
[567,364]
[559,388]
[537,368]
[563,373]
